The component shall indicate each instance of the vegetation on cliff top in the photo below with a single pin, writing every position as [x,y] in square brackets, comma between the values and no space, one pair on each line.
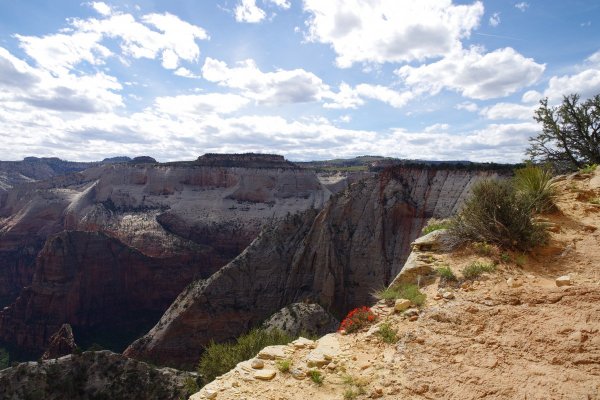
[219,358]
[570,136]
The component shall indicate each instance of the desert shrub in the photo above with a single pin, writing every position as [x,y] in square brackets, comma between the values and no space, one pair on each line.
[190,386]
[446,274]
[357,319]
[521,260]
[283,365]
[536,186]
[435,225]
[316,376]
[387,333]
[475,269]
[218,358]
[496,214]
[588,169]
[483,249]
[404,291]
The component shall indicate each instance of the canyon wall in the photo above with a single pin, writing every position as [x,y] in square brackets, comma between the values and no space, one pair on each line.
[336,257]
[173,223]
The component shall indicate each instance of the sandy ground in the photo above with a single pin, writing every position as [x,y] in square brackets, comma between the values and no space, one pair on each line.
[511,334]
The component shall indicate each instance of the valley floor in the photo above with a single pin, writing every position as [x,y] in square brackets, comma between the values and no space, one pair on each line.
[510,334]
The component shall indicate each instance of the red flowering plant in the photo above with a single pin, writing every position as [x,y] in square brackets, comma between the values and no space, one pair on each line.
[357,319]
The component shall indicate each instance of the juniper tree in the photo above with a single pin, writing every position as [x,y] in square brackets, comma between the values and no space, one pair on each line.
[570,136]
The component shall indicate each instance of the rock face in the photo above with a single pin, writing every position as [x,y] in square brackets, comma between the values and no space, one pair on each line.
[62,343]
[336,258]
[94,282]
[298,318]
[137,234]
[93,375]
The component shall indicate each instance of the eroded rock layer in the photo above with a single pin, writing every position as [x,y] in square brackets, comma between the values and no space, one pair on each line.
[335,258]
[137,234]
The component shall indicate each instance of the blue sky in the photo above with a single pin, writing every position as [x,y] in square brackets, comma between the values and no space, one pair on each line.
[309,79]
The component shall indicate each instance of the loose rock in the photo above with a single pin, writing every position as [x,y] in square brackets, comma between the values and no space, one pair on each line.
[257,364]
[402,305]
[265,374]
[564,280]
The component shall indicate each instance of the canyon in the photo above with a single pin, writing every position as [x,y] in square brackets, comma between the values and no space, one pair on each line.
[335,257]
[108,248]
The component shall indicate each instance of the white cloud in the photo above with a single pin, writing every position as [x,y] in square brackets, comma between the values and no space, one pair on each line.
[468,106]
[531,97]
[200,104]
[248,11]
[522,6]
[495,19]
[474,74]
[437,128]
[594,59]
[508,111]
[60,53]
[285,4]
[172,40]
[186,73]
[279,87]
[346,118]
[348,97]
[586,83]
[101,8]
[37,88]
[390,30]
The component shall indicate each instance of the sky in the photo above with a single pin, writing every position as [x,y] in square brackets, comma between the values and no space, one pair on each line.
[308,79]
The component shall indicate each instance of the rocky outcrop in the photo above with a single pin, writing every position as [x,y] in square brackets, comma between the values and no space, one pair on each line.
[302,318]
[182,217]
[94,375]
[61,344]
[335,258]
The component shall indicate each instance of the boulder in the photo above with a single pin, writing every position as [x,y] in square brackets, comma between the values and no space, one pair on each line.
[302,317]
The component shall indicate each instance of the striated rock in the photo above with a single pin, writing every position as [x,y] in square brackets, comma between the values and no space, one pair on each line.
[418,266]
[336,258]
[301,317]
[187,217]
[61,343]
[90,375]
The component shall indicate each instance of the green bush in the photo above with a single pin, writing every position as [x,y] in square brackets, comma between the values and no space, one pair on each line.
[404,291]
[435,225]
[588,169]
[536,186]
[316,376]
[477,268]
[283,365]
[446,274]
[496,214]
[387,333]
[219,358]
